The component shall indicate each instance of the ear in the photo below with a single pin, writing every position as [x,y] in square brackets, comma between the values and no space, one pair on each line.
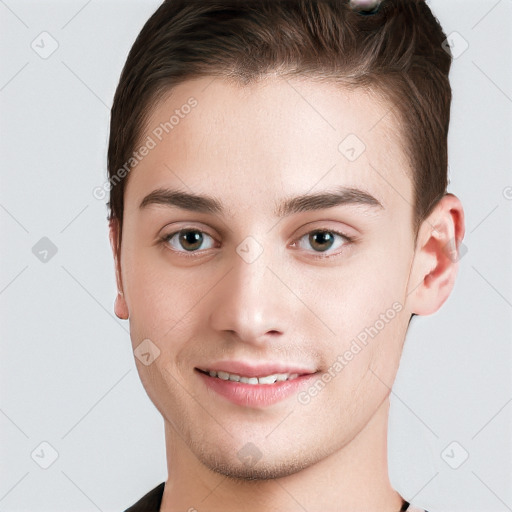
[120,306]
[436,257]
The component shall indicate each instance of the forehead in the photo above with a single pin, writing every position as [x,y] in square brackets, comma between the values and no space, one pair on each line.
[278,136]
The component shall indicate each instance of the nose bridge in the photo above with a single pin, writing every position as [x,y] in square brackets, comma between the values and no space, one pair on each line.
[248,302]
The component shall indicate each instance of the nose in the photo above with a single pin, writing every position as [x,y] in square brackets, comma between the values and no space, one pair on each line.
[251,303]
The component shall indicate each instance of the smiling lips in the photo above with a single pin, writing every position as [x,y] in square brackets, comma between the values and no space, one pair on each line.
[254,385]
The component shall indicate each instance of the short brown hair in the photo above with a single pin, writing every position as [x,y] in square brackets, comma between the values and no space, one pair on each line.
[396,48]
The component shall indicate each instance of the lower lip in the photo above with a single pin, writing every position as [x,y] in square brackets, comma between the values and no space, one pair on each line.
[255,395]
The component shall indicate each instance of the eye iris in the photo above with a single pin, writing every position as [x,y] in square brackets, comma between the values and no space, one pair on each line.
[324,238]
[194,238]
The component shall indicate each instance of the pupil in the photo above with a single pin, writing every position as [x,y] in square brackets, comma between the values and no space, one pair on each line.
[194,238]
[321,239]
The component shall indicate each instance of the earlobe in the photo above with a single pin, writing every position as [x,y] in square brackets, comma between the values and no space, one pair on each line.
[120,306]
[436,257]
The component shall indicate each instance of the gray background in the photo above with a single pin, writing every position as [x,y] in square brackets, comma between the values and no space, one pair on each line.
[67,372]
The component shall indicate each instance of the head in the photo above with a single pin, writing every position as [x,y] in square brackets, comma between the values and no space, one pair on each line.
[278,174]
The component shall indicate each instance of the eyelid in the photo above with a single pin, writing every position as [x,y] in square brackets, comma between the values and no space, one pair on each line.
[186,227]
[326,226]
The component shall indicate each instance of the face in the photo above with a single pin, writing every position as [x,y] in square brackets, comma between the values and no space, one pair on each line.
[296,259]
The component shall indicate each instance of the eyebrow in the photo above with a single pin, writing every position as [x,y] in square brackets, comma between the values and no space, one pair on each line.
[303,203]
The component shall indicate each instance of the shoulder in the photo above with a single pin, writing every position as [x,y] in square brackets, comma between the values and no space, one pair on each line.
[150,502]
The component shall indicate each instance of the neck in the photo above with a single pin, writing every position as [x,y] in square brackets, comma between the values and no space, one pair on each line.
[352,479]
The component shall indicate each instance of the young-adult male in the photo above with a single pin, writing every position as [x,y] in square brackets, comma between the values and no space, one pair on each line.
[278,214]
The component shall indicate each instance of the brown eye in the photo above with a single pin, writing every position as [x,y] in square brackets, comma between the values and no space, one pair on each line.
[190,240]
[322,240]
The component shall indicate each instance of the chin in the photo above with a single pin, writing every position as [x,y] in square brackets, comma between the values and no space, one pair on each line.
[250,464]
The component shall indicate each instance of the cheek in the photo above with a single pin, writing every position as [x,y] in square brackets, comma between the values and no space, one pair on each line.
[363,304]
[163,299]
[356,294]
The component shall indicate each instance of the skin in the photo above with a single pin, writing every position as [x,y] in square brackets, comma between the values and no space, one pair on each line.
[251,148]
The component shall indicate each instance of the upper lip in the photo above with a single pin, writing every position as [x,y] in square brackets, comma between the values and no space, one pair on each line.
[253,369]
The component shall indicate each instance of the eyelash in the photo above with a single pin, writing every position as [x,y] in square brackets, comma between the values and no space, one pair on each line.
[194,254]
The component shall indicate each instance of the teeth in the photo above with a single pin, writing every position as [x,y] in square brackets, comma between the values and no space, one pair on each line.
[269,379]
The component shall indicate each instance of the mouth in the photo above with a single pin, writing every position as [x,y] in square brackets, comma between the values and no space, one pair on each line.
[255,387]
[244,379]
